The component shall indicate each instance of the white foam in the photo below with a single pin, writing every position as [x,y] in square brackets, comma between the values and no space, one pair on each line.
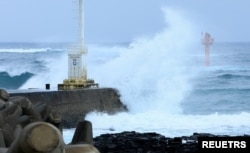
[171,125]
[27,50]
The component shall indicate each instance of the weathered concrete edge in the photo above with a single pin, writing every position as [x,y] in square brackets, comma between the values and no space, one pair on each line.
[73,105]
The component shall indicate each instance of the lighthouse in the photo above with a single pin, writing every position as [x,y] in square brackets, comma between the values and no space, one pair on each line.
[77,72]
[207,41]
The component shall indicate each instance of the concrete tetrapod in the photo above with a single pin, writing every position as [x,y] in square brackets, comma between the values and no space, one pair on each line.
[38,137]
[42,137]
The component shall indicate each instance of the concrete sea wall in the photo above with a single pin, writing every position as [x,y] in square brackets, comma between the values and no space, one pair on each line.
[73,105]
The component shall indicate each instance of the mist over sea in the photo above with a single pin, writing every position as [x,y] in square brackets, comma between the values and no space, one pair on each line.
[162,79]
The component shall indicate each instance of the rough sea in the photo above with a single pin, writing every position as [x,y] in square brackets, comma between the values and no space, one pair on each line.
[162,79]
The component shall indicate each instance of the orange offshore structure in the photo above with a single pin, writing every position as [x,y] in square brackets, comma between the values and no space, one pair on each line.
[207,41]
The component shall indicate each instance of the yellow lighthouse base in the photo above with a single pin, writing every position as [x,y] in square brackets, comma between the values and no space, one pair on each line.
[69,84]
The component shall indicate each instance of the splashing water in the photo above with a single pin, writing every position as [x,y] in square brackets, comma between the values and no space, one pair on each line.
[152,73]
[154,76]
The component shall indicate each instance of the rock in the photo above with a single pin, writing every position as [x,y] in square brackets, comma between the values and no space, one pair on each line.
[4,95]
[131,142]
[135,142]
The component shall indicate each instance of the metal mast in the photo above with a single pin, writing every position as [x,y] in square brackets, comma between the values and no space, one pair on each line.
[81,19]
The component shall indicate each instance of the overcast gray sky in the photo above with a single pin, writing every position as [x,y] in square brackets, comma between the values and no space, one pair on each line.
[119,20]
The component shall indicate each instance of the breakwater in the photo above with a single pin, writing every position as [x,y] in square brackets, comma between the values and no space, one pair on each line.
[73,105]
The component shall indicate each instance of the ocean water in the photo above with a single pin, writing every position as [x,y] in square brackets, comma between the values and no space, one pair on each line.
[162,79]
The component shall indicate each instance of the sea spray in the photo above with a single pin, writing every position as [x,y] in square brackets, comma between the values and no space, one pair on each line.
[53,70]
[152,75]
[152,72]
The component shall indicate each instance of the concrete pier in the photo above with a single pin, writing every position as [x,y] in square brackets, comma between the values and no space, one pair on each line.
[73,105]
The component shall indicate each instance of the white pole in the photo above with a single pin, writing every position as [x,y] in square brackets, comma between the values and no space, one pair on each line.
[81,41]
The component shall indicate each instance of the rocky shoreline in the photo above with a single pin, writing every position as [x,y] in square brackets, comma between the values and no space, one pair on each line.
[135,142]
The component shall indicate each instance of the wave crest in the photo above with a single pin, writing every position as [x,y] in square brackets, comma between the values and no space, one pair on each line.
[14,82]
